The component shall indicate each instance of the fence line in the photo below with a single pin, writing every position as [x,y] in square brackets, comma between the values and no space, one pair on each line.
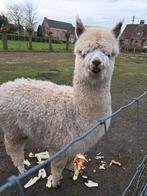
[14,181]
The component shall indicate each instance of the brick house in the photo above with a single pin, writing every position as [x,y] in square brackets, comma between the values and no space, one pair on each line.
[134,36]
[58,29]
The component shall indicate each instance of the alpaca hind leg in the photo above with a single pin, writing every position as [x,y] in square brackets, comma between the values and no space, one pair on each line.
[57,167]
[15,148]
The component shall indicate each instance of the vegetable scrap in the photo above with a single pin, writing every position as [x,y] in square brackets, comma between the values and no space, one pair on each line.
[94,171]
[31,181]
[42,173]
[42,155]
[114,162]
[27,163]
[84,177]
[79,162]
[76,174]
[90,184]
[31,155]
[99,156]
[102,166]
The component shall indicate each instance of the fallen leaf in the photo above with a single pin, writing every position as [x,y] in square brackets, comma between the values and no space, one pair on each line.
[90,183]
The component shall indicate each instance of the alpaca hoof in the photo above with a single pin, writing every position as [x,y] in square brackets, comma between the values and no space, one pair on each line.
[56,184]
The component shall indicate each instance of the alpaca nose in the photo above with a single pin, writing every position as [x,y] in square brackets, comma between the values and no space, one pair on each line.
[96,66]
[96,62]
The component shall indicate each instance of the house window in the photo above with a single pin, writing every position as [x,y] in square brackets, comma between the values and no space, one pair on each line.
[139,34]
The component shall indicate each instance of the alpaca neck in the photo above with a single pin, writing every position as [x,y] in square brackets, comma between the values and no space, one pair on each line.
[91,98]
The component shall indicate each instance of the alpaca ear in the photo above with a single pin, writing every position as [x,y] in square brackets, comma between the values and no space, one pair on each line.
[117,29]
[79,27]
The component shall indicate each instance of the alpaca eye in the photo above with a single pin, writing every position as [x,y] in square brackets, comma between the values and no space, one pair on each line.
[82,55]
[109,56]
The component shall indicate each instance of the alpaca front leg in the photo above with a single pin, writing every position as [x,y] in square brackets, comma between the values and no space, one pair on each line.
[57,167]
[15,149]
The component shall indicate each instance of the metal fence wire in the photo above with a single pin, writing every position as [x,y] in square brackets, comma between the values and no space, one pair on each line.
[14,182]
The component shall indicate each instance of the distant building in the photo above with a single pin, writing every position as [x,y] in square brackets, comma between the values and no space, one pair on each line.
[134,36]
[58,29]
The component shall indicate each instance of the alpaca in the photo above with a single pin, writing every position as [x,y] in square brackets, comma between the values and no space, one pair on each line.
[51,114]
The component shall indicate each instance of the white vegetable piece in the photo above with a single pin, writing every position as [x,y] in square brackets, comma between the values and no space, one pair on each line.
[76,174]
[42,173]
[27,163]
[31,181]
[90,183]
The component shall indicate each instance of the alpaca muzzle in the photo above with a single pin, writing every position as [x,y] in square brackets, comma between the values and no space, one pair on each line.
[96,66]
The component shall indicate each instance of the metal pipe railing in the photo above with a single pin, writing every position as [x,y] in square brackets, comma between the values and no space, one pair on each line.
[14,181]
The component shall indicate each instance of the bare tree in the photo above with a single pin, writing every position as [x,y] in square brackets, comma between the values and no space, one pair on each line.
[15,14]
[30,21]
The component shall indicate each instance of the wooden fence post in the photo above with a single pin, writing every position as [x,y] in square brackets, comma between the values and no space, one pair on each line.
[30,32]
[50,40]
[67,36]
[4,37]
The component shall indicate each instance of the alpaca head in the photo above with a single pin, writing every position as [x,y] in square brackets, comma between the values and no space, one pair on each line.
[95,50]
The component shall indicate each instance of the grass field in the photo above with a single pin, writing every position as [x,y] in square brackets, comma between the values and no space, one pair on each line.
[37,46]
[125,143]
[130,75]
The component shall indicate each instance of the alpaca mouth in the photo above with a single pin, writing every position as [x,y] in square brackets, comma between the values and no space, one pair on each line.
[96,70]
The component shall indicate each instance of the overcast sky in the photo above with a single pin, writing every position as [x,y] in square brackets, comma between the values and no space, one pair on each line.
[92,12]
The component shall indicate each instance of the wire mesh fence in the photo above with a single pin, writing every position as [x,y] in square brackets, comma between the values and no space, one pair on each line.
[138,181]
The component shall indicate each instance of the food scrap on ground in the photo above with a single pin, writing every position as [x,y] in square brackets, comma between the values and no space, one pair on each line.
[31,155]
[90,184]
[79,165]
[99,156]
[27,163]
[42,155]
[31,181]
[94,171]
[102,166]
[42,173]
[84,177]
[114,162]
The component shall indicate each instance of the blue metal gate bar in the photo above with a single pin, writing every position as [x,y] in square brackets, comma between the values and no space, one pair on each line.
[15,180]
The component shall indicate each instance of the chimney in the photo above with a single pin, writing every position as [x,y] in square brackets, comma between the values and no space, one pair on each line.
[141,21]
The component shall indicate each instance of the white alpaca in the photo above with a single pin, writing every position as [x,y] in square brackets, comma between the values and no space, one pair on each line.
[52,115]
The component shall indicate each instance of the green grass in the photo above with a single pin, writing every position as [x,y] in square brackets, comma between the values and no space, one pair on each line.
[23,45]
[129,79]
